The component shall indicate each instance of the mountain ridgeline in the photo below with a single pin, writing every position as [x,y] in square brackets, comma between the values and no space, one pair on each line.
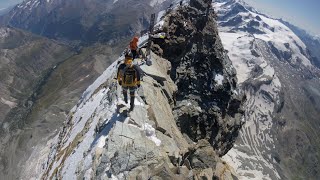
[187,114]
[312,43]
[83,21]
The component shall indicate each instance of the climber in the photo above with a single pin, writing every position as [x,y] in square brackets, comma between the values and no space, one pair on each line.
[134,46]
[128,76]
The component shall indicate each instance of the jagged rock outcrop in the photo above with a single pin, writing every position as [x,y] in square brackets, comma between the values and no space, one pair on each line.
[207,103]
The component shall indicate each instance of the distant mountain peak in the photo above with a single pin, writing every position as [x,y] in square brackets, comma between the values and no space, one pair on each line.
[83,21]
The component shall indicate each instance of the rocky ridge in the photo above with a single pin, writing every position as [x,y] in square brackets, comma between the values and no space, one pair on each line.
[100,141]
[52,94]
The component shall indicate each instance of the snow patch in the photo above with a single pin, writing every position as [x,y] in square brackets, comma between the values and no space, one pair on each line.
[8,103]
[219,78]
[160,15]
[102,141]
[118,177]
[156,2]
[4,32]
[151,134]
[138,103]
[5,125]
[101,79]
[143,39]
[81,158]
[83,114]
[238,46]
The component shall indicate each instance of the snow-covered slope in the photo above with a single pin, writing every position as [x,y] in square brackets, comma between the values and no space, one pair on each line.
[240,25]
[258,46]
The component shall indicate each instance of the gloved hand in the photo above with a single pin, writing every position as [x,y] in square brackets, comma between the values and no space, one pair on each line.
[120,83]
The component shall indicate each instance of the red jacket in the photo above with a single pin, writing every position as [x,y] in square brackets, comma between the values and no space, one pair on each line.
[134,43]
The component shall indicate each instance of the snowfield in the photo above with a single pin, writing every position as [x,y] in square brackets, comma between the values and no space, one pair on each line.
[248,37]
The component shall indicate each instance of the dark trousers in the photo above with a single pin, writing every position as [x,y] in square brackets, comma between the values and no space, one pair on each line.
[132,91]
[134,54]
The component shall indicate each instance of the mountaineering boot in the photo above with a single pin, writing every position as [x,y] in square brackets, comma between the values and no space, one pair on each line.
[131,103]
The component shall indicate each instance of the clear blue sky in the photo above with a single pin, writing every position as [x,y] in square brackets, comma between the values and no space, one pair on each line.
[303,13]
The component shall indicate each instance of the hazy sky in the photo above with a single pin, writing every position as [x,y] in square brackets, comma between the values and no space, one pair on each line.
[7,3]
[303,13]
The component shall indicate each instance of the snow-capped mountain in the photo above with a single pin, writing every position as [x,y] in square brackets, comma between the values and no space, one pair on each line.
[312,42]
[278,140]
[83,21]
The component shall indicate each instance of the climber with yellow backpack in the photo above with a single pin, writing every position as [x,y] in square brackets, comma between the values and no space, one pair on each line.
[128,76]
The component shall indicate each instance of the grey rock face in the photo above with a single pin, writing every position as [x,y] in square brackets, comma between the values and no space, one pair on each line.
[204,156]
[206,108]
